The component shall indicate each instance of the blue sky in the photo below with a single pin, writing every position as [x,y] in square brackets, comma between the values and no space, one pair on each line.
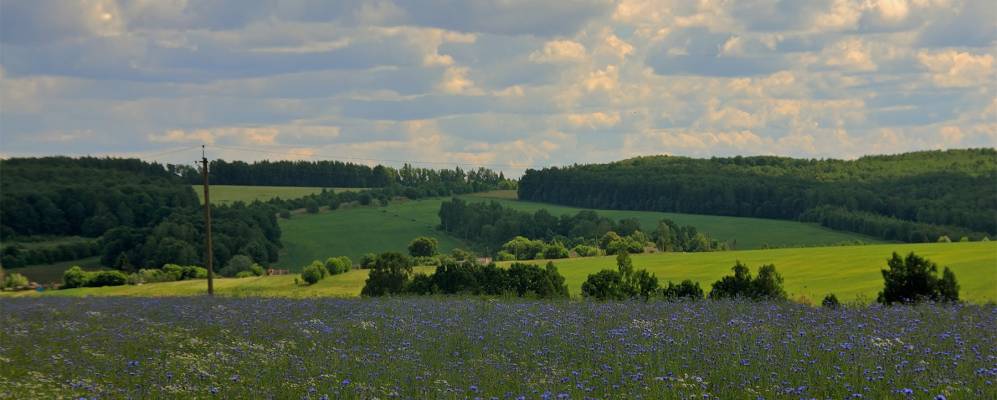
[509,84]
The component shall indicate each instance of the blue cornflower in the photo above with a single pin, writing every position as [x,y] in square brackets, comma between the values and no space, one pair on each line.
[474,388]
[346,382]
[940,397]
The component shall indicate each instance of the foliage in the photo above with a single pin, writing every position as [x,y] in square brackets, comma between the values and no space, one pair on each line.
[13,280]
[685,290]
[908,197]
[766,286]
[338,265]
[492,226]
[623,283]
[240,263]
[17,255]
[423,247]
[585,250]
[944,239]
[830,301]
[105,278]
[389,275]
[555,250]
[912,279]
[314,273]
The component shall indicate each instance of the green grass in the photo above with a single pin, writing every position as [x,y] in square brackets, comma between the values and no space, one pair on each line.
[343,285]
[227,194]
[846,271]
[355,231]
[850,272]
[749,233]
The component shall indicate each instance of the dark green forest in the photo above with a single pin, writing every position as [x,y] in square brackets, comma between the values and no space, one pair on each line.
[914,197]
[331,174]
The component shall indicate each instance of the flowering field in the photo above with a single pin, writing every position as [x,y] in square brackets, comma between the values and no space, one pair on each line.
[469,348]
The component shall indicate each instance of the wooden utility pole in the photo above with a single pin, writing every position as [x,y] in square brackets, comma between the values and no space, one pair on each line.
[208,254]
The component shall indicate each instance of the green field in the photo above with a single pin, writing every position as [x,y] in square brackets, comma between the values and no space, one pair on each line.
[745,233]
[227,194]
[850,272]
[355,231]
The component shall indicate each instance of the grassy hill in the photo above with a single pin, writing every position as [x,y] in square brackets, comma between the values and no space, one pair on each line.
[851,272]
[358,230]
[226,194]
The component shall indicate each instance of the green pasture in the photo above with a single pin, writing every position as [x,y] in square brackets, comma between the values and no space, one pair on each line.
[850,272]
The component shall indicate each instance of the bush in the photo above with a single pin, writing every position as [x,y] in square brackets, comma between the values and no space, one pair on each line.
[389,275]
[944,239]
[459,254]
[766,286]
[830,301]
[313,273]
[686,289]
[245,274]
[74,277]
[311,206]
[529,280]
[555,250]
[106,278]
[964,239]
[368,260]
[586,251]
[912,279]
[523,248]
[338,265]
[624,283]
[503,255]
[13,281]
[423,247]
[239,263]
[285,214]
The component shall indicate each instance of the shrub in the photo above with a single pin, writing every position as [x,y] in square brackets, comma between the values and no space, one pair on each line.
[285,214]
[368,260]
[462,255]
[245,274]
[964,239]
[423,247]
[311,206]
[586,251]
[912,279]
[426,261]
[338,265]
[555,250]
[313,273]
[13,281]
[503,255]
[830,301]
[74,277]
[529,280]
[944,239]
[624,283]
[686,289]
[106,278]
[236,264]
[524,248]
[767,285]
[389,275]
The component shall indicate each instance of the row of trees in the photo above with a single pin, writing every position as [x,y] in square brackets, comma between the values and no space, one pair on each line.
[17,255]
[391,274]
[343,174]
[910,197]
[494,227]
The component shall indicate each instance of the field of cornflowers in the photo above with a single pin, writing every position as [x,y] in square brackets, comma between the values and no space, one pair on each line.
[490,349]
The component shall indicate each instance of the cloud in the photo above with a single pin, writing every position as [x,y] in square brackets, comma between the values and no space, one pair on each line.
[952,68]
[559,51]
[510,83]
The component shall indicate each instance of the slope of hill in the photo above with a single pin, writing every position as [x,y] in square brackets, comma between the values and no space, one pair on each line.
[228,194]
[912,197]
[359,230]
[851,272]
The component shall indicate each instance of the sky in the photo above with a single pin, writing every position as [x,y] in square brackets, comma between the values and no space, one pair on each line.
[506,84]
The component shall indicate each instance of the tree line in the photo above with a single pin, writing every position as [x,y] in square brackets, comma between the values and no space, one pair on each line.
[331,174]
[912,197]
[501,230]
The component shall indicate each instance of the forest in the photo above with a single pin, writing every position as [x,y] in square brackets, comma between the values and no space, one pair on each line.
[914,197]
[333,174]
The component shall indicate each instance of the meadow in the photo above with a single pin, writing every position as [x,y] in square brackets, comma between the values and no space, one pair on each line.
[415,348]
[354,231]
[852,273]
[227,194]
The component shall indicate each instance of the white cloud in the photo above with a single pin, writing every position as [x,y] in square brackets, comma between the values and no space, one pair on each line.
[559,51]
[955,68]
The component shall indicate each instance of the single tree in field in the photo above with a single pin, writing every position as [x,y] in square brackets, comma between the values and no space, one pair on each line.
[423,247]
[913,279]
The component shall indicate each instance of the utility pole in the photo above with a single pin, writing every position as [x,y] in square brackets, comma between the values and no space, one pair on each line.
[208,254]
